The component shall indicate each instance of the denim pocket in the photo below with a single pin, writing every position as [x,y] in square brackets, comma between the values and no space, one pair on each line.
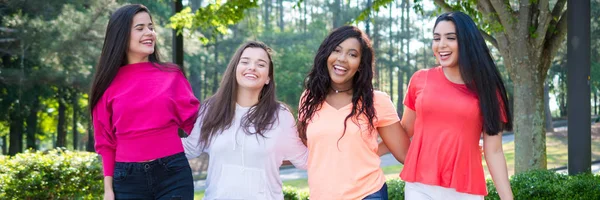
[177,164]
[120,173]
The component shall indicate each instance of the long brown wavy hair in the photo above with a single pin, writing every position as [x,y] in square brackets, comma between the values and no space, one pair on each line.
[318,81]
[218,111]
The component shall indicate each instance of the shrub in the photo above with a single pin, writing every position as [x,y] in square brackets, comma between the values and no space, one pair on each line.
[538,184]
[544,184]
[291,193]
[395,189]
[56,174]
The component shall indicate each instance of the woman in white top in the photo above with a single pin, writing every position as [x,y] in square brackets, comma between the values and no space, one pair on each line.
[246,132]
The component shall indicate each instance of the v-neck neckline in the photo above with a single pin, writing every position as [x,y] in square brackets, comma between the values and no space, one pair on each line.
[338,109]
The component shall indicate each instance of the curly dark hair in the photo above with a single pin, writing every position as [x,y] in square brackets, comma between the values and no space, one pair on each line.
[318,83]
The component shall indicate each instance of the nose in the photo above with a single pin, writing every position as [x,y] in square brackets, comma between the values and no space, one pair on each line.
[252,66]
[443,42]
[341,57]
[148,31]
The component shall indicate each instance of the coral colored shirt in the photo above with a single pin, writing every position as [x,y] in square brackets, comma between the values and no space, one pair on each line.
[444,150]
[138,116]
[348,169]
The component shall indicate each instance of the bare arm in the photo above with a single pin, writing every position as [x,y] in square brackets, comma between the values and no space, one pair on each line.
[109,194]
[395,139]
[408,121]
[382,149]
[496,162]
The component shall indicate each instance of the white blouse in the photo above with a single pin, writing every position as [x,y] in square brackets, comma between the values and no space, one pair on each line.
[243,166]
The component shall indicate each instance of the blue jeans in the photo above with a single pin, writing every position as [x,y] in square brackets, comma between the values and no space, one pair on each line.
[164,178]
[382,194]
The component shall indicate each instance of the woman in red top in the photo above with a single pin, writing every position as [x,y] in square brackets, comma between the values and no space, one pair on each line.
[448,108]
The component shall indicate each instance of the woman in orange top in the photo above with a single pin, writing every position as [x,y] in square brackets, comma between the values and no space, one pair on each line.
[447,110]
[339,117]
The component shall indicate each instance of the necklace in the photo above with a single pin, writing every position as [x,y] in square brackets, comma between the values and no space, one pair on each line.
[338,91]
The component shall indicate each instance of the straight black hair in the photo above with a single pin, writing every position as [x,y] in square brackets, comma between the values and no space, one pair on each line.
[479,72]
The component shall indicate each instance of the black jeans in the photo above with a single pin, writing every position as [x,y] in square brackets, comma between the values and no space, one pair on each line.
[164,178]
[382,194]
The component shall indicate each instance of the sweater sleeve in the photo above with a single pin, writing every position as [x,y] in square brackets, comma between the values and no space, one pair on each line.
[105,140]
[191,143]
[186,104]
[293,148]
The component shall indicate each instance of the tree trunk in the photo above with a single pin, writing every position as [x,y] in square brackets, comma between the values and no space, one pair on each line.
[281,13]
[399,103]
[75,103]
[529,112]
[368,19]
[4,145]
[90,143]
[61,135]
[16,134]
[548,118]
[595,101]
[216,70]
[267,14]
[335,9]
[205,79]
[32,121]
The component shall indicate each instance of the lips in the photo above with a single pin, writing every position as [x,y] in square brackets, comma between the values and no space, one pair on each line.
[148,42]
[444,55]
[251,76]
[339,70]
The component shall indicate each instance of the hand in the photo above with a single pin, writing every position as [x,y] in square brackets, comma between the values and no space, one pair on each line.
[109,195]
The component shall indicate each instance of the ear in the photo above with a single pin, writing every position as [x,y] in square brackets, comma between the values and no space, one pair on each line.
[267,83]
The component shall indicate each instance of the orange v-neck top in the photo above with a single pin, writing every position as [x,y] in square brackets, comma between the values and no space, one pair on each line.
[348,169]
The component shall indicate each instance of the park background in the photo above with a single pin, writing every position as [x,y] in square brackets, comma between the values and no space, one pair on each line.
[48,50]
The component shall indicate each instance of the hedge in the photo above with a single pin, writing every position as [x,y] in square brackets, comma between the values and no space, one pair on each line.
[62,174]
[56,174]
[538,184]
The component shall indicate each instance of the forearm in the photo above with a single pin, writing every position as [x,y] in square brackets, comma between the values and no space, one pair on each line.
[497,166]
[382,149]
[108,184]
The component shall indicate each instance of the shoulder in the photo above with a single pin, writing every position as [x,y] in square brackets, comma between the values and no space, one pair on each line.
[380,95]
[284,112]
[422,72]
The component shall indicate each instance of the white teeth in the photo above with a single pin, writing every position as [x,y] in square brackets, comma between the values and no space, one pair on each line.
[250,75]
[339,68]
[444,54]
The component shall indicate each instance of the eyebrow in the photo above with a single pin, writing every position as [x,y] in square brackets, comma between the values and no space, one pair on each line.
[350,49]
[149,24]
[451,33]
[249,59]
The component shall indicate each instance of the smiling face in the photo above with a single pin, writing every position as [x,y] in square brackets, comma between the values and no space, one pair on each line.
[445,44]
[252,70]
[141,39]
[343,63]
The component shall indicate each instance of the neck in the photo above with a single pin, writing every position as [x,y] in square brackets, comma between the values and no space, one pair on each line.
[247,98]
[341,88]
[132,59]
[453,74]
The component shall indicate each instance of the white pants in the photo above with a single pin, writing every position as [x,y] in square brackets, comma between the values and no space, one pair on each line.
[419,191]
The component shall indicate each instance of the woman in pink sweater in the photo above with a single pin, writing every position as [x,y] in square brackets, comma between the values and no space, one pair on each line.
[138,104]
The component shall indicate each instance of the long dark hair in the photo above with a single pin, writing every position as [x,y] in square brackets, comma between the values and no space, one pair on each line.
[479,72]
[318,83]
[114,51]
[219,110]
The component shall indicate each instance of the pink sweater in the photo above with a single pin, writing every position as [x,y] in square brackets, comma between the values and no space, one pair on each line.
[138,116]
